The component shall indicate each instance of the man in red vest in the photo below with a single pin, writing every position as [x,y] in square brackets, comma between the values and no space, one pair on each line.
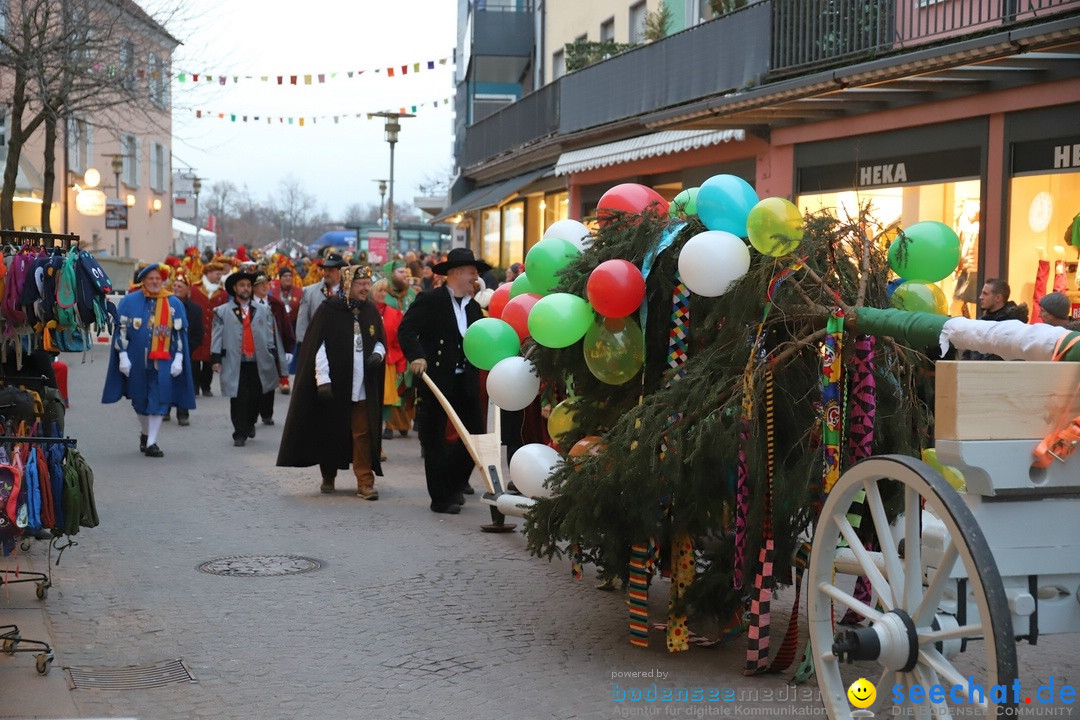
[208,295]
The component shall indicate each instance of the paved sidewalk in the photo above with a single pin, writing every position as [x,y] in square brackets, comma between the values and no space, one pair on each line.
[412,614]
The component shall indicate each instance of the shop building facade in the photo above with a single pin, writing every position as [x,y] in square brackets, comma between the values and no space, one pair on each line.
[970,120]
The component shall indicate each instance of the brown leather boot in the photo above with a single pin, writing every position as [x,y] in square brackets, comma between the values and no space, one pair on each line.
[327,485]
[367,492]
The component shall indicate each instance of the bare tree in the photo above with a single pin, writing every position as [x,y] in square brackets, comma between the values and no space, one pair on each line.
[76,57]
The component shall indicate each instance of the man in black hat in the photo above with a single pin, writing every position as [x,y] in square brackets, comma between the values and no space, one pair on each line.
[431,336]
[247,353]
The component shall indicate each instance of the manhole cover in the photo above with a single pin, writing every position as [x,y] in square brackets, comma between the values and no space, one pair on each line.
[260,565]
[136,677]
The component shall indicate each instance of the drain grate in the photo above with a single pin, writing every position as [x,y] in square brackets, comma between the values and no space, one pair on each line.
[260,565]
[136,677]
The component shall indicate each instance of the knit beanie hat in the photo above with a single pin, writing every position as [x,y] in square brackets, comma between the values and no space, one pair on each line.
[1057,304]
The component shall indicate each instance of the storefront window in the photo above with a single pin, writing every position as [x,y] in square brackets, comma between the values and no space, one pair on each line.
[556,207]
[489,240]
[513,234]
[954,203]
[1042,210]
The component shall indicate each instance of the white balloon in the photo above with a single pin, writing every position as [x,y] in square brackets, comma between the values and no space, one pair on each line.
[712,261]
[513,383]
[571,231]
[531,465]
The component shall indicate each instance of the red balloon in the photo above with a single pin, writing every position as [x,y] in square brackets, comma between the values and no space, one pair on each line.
[499,300]
[631,197]
[516,313]
[616,288]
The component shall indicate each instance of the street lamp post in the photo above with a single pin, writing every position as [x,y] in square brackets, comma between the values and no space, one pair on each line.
[382,194]
[196,186]
[392,128]
[281,224]
[117,168]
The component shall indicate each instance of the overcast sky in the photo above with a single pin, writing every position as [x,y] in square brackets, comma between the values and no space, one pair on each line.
[334,162]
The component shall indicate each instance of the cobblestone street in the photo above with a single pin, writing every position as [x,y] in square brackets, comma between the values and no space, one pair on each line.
[411,614]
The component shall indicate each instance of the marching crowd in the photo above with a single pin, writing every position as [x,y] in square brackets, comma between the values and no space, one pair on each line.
[354,339]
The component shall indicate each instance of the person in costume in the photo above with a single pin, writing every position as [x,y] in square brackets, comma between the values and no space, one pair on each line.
[431,337]
[247,354]
[399,293]
[181,288]
[290,294]
[150,362]
[394,417]
[207,294]
[318,292]
[336,407]
[261,296]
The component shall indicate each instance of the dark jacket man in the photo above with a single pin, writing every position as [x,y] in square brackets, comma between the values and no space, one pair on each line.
[431,337]
[321,424]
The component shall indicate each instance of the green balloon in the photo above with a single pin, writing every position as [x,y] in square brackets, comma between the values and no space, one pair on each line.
[920,297]
[614,350]
[927,251]
[775,227]
[559,320]
[522,286]
[684,204]
[487,341]
[546,259]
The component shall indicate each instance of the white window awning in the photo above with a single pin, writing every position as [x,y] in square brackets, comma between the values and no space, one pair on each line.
[645,146]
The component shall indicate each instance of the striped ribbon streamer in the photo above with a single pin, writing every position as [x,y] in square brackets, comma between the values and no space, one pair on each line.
[640,561]
[757,650]
[861,446]
[832,371]
[786,654]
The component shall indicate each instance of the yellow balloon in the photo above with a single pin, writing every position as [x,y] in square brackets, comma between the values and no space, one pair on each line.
[774,227]
[561,421]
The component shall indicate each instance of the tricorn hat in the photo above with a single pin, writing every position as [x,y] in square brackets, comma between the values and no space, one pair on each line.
[459,257]
[230,282]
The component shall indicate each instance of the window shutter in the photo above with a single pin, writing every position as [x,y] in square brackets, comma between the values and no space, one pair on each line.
[138,163]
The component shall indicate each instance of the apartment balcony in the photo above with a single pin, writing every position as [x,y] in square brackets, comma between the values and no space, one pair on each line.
[780,62]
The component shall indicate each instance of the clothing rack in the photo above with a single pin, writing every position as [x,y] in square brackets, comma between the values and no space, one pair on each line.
[10,638]
[36,239]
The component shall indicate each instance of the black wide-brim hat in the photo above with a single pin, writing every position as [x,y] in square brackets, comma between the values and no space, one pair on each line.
[230,282]
[459,257]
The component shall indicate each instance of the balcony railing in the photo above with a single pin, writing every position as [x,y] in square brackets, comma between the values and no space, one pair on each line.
[810,34]
[534,116]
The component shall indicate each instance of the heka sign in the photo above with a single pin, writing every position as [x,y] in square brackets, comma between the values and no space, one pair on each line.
[890,174]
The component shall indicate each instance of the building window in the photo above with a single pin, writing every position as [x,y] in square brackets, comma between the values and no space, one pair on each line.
[129,146]
[513,235]
[80,145]
[159,167]
[607,30]
[637,22]
[489,240]
[558,64]
[127,65]
[159,87]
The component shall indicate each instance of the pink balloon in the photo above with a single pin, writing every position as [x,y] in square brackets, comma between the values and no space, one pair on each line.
[632,198]
[615,288]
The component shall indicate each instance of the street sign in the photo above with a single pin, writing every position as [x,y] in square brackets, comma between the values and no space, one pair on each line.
[116,214]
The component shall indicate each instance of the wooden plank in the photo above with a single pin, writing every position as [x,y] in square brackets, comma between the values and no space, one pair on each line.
[484,449]
[985,400]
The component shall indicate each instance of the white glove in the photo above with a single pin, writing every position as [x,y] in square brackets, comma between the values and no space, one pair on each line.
[177,365]
[125,364]
[288,358]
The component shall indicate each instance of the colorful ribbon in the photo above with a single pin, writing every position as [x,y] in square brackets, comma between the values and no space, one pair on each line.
[831,375]
[757,651]
[639,595]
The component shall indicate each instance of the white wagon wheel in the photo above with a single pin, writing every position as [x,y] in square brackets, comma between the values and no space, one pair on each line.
[917,624]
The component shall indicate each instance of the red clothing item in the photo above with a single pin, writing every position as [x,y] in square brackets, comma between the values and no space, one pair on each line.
[290,299]
[391,318]
[207,303]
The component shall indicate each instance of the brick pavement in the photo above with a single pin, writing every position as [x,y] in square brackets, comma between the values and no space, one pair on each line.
[414,615]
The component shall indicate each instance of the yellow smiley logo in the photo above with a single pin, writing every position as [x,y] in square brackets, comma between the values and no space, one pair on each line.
[862,693]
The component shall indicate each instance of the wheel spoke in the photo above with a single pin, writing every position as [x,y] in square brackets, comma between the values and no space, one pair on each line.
[931,657]
[870,569]
[929,637]
[885,539]
[848,601]
[936,589]
[928,678]
[912,549]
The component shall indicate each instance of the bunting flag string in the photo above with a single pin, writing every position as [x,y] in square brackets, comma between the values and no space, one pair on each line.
[318,78]
[303,120]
